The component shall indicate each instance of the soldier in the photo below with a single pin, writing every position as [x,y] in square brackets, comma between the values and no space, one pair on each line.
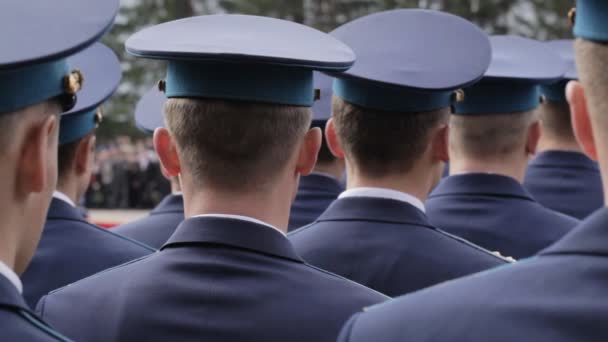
[493,134]
[317,190]
[155,229]
[557,296]
[238,135]
[389,123]
[561,177]
[36,87]
[71,248]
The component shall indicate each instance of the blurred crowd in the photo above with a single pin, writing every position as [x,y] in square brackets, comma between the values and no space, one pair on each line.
[126,175]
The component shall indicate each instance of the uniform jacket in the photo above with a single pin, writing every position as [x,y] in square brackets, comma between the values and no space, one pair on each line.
[496,213]
[71,249]
[216,279]
[315,194]
[558,296]
[567,182]
[17,321]
[387,245]
[155,229]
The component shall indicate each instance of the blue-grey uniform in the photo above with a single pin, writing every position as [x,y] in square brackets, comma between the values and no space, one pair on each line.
[38,37]
[493,210]
[221,277]
[17,321]
[497,213]
[380,237]
[317,190]
[155,229]
[71,248]
[556,296]
[565,181]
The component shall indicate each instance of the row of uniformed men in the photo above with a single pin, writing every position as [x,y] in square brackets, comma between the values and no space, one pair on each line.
[237,132]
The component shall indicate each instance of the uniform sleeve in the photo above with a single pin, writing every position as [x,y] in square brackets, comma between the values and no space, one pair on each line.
[345,334]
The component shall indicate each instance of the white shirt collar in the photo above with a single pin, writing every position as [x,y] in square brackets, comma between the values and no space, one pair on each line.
[242,218]
[9,274]
[63,197]
[384,193]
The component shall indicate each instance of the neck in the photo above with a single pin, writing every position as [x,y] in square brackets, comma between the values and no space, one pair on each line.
[548,143]
[334,169]
[68,188]
[414,183]
[271,207]
[513,167]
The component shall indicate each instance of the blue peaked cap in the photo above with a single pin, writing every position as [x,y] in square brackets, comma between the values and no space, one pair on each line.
[149,110]
[37,37]
[512,83]
[556,92]
[103,71]
[241,57]
[410,60]
[591,20]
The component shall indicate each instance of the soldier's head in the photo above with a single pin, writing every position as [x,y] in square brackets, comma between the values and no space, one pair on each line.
[238,110]
[391,110]
[589,98]
[496,128]
[77,134]
[554,111]
[36,86]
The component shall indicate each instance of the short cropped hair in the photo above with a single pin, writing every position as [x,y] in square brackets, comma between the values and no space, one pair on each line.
[489,137]
[380,142]
[233,145]
[592,64]
[66,155]
[556,120]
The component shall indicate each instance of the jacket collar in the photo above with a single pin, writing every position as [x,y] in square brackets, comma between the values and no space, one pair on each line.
[481,184]
[589,237]
[567,159]
[170,204]
[10,297]
[374,210]
[321,182]
[62,210]
[234,233]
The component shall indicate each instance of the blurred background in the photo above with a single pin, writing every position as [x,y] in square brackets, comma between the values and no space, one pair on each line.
[127,173]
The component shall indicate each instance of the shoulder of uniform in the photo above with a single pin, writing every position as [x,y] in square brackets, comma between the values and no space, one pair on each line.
[90,278]
[346,281]
[301,229]
[120,237]
[40,325]
[496,255]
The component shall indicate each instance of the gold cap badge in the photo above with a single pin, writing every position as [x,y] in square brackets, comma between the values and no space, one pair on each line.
[72,82]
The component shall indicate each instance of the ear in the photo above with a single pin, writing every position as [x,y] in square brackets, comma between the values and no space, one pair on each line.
[534,134]
[309,151]
[32,176]
[333,142]
[85,154]
[167,152]
[581,122]
[440,144]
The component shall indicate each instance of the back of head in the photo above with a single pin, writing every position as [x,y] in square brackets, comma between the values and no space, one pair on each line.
[489,138]
[235,145]
[382,143]
[556,121]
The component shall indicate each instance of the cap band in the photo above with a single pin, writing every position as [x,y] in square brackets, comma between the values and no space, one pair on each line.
[591,19]
[240,81]
[555,92]
[390,98]
[77,125]
[499,96]
[33,84]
